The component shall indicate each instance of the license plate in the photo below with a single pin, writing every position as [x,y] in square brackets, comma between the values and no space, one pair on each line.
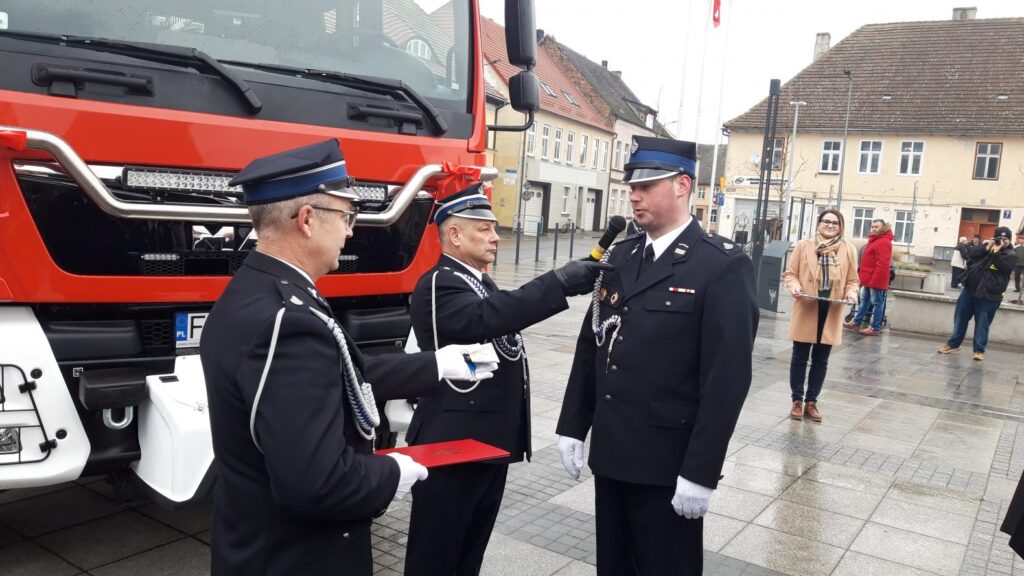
[188,328]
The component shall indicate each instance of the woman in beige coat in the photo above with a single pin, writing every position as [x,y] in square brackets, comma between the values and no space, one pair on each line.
[822,267]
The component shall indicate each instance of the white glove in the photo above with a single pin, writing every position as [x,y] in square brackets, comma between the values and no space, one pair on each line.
[452,363]
[571,451]
[691,500]
[409,472]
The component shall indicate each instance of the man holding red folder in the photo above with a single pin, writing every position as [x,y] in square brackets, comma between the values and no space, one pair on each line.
[456,302]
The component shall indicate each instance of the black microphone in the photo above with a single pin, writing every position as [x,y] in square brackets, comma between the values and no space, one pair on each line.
[616,224]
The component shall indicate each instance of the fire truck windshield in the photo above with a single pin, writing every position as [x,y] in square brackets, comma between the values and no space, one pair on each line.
[426,44]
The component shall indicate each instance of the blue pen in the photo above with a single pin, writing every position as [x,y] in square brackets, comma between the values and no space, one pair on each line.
[471,364]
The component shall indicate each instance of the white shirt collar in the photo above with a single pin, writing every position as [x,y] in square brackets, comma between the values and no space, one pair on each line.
[293,267]
[666,240]
[479,275]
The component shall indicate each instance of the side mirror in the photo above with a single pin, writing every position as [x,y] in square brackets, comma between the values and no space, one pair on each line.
[524,92]
[520,33]
[524,95]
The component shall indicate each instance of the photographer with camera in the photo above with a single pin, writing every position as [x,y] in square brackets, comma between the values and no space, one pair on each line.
[985,281]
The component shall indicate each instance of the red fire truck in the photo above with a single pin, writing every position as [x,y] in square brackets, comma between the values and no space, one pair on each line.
[121,124]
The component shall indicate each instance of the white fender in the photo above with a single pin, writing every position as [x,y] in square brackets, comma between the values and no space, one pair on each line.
[46,413]
[174,431]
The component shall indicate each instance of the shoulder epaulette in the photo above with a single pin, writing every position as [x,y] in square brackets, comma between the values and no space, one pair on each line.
[293,295]
[722,243]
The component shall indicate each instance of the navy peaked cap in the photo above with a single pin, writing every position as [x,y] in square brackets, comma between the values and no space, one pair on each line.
[467,203]
[654,158]
[317,168]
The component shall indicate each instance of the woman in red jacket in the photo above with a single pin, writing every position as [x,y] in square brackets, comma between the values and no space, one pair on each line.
[874,278]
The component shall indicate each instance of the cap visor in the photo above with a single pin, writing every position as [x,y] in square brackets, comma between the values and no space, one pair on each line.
[648,174]
[476,214]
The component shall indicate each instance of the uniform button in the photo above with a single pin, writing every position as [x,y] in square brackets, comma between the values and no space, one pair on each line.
[284,281]
[614,368]
[345,535]
[668,303]
[625,309]
[472,402]
[607,397]
[620,339]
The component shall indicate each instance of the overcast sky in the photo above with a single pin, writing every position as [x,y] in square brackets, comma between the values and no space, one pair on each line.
[646,40]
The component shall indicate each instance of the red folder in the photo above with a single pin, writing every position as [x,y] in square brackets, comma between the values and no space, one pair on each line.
[448,453]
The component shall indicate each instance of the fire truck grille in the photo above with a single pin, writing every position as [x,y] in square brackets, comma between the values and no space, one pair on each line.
[157,333]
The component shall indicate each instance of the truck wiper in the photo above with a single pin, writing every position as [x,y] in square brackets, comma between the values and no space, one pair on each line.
[155,52]
[360,82]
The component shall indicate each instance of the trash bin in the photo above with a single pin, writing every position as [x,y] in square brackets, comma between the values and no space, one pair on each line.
[772,262]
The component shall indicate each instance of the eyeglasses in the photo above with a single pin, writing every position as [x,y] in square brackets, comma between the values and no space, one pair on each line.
[832,223]
[350,216]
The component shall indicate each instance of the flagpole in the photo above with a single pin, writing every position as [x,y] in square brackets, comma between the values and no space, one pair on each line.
[718,123]
[682,79]
[700,99]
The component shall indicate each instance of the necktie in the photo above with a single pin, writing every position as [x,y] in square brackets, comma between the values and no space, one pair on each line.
[488,282]
[648,259]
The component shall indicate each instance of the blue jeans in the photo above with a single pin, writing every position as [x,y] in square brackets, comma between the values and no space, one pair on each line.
[983,311]
[871,303]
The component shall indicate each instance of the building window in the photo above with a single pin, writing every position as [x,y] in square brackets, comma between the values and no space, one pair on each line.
[618,155]
[419,48]
[604,154]
[779,154]
[531,139]
[830,151]
[714,216]
[862,221]
[870,156]
[583,150]
[701,192]
[545,136]
[903,227]
[910,157]
[986,161]
[565,200]
[558,144]
[548,89]
[614,205]
[570,98]
[597,146]
[699,214]
[570,143]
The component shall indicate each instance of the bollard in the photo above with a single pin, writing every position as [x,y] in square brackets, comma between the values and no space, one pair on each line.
[540,230]
[554,255]
[519,237]
[572,238]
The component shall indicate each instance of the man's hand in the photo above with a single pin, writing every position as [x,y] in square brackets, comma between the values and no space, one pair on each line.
[571,451]
[578,276]
[691,500]
[409,472]
[453,362]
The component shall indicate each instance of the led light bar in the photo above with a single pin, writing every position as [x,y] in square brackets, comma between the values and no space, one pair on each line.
[371,192]
[154,257]
[179,180]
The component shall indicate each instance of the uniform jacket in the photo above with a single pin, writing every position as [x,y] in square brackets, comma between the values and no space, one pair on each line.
[302,505]
[803,269]
[661,397]
[874,267]
[497,411]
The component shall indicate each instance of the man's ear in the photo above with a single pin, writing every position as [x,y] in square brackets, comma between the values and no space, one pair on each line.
[302,220]
[453,234]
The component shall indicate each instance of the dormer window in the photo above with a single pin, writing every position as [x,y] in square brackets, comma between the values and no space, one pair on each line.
[420,49]
[548,89]
[570,98]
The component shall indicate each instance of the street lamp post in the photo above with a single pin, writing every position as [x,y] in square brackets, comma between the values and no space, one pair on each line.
[788,197]
[846,131]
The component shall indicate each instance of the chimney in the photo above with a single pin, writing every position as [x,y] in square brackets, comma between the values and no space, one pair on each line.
[540,35]
[617,73]
[964,13]
[604,64]
[821,44]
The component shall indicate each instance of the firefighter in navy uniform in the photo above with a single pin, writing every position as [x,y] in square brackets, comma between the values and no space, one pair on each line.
[291,401]
[456,302]
[660,374]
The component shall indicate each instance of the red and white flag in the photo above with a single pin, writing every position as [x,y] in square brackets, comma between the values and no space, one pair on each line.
[716,12]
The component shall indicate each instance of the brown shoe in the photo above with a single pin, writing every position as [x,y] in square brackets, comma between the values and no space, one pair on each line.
[797,411]
[811,411]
